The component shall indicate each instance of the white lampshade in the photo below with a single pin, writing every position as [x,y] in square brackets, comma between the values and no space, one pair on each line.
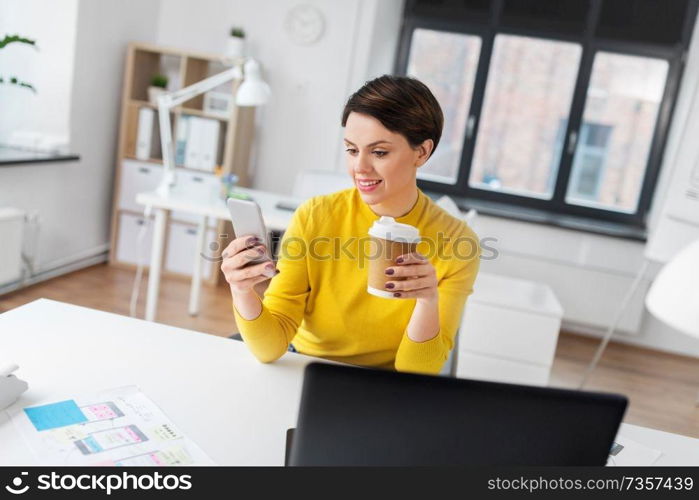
[674,296]
[253,91]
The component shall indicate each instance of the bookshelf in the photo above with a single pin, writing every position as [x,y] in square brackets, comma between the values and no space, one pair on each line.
[133,175]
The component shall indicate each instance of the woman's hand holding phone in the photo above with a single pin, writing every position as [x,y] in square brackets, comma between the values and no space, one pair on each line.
[245,263]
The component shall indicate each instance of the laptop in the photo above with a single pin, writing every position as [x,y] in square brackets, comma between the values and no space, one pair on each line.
[359,416]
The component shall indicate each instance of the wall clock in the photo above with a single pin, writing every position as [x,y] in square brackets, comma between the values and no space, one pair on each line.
[304,24]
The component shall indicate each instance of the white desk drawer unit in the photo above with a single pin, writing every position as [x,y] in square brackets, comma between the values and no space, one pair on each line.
[127,245]
[181,246]
[140,176]
[509,331]
[137,177]
[182,250]
[198,185]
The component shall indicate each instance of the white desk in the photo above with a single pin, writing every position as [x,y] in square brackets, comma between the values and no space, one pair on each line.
[234,407]
[275,219]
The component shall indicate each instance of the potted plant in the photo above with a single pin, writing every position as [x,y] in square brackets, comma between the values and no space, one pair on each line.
[13,80]
[236,43]
[158,86]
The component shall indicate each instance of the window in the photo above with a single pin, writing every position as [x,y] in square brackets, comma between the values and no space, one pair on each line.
[556,105]
[446,63]
[529,91]
[625,93]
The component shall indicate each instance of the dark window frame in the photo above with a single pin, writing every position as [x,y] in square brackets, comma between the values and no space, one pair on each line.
[675,55]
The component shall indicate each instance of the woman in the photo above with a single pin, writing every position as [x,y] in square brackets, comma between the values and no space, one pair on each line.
[317,302]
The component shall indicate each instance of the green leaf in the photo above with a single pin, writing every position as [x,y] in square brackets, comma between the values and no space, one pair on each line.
[14,81]
[16,39]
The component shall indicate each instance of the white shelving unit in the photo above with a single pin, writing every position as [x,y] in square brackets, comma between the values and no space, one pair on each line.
[134,175]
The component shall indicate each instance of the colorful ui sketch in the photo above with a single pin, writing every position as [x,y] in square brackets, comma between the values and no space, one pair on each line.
[116,427]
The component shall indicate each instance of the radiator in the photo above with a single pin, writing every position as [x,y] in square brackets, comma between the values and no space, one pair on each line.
[11,237]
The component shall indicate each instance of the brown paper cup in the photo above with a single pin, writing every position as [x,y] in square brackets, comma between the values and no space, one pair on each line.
[383,256]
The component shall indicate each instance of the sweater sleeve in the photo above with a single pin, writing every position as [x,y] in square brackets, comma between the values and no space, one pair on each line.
[269,334]
[453,289]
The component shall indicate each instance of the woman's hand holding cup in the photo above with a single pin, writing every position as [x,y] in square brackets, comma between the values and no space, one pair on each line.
[416,278]
[239,267]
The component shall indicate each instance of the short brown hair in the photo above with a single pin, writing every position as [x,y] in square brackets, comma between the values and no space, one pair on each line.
[403,105]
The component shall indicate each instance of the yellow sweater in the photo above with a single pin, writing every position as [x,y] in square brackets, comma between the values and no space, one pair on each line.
[319,301]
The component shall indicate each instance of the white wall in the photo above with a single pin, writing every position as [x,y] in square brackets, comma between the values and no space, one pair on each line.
[73,199]
[49,67]
[300,126]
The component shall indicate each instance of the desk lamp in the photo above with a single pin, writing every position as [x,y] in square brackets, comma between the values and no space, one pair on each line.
[253,91]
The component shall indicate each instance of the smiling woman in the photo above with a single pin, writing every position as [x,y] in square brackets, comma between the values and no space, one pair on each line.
[317,303]
[405,139]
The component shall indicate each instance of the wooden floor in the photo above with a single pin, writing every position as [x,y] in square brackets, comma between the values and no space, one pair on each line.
[662,388]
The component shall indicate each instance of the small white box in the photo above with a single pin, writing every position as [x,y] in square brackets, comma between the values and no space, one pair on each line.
[511,334]
[511,318]
[509,330]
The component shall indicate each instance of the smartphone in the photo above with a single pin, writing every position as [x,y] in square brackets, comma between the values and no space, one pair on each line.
[247,221]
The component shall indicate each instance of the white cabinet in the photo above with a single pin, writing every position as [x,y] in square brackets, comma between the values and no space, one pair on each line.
[140,176]
[235,137]
[182,249]
[197,185]
[509,331]
[127,249]
[136,177]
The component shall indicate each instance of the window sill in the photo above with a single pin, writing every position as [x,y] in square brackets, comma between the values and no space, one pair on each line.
[535,216]
[12,156]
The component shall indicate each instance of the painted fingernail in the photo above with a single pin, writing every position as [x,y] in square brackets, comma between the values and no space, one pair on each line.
[270,266]
[390,285]
[396,294]
[251,241]
[260,250]
[399,260]
[389,271]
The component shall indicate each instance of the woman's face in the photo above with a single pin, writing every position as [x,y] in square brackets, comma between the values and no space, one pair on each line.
[382,163]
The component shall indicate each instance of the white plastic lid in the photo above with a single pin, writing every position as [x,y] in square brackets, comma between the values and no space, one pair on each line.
[387,228]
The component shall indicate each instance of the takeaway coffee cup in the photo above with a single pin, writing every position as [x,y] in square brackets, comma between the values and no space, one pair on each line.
[389,239]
